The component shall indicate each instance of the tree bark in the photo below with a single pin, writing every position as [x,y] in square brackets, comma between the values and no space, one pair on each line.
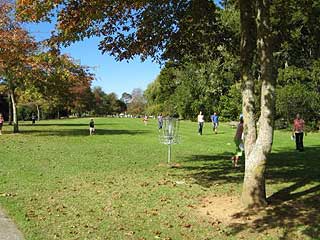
[14,112]
[254,194]
[247,53]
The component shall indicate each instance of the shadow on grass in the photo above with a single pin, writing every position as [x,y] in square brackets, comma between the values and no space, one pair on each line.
[64,124]
[283,166]
[82,132]
[295,212]
[294,166]
[207,170]
[294,209]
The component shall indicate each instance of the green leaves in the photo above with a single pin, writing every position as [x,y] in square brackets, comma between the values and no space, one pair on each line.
[297,98]
[160,29]
[187,89]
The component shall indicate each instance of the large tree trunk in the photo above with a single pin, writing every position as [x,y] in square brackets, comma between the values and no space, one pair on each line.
[254,194]
[247,53]
[14,112]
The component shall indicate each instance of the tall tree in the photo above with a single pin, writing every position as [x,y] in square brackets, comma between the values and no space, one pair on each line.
[255,21]
[16,48]
[99,101]
[32,96]
[138,102]
[61,81]
[126,98]
[147,28]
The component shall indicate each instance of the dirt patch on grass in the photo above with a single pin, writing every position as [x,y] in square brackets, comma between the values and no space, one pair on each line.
[288,219]
[224,209]
[227,214]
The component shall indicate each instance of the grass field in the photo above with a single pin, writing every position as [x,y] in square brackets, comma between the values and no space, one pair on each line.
[57,182]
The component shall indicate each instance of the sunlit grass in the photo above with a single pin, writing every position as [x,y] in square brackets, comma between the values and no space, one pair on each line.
[57,182]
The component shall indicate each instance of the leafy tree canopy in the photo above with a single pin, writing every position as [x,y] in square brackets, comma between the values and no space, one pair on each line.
[167,29]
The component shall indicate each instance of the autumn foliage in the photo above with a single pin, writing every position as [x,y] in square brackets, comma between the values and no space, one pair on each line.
[29,69]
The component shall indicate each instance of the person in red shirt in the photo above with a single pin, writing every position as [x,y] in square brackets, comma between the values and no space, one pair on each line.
[297,132]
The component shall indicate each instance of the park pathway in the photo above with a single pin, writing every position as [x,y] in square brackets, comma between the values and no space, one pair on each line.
[8,230]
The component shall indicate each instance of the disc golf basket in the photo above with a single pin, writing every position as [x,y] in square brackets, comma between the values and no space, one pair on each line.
[169,133]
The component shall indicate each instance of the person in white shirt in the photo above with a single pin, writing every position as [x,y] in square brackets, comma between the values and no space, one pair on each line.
[200,122]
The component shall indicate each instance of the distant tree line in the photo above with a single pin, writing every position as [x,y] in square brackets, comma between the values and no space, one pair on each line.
[92,102]
[189,83]
[36,79]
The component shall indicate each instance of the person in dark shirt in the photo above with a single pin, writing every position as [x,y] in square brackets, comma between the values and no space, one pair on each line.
[91,127]
[33,118]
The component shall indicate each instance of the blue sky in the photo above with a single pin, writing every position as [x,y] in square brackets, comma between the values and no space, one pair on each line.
[111,75]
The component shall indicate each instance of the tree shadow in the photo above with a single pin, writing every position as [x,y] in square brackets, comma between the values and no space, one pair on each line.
[37,124]
[283,166]
[207,170]
[293,166]
[292,212]
[82,132]
[295,212]
[214,134]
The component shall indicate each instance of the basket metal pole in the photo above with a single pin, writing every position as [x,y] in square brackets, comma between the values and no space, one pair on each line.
[169,134]
[169,153]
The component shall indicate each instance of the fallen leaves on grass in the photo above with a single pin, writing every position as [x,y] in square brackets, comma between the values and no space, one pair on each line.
[8,194]
[130,233]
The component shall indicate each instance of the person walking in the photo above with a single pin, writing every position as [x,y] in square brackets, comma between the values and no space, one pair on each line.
[91,127]
[215,122]
[297,132]
[1,123]
[160,121]
[33,119]
[200,122]
[238,140]
[145,120]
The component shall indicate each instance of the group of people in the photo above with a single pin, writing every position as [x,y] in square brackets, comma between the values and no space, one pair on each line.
[297,133]
[215,122]
[145,120]
[238,138]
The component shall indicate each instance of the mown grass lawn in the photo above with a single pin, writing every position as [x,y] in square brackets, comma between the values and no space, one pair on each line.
[57,182]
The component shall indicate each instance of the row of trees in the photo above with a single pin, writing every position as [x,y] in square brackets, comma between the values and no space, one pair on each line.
[36,79]
[36,73]
[109,104]
[266,36]
[210,83]
[91,102]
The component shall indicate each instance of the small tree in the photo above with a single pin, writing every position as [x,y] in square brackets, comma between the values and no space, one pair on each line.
[16,49]
[138,102]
